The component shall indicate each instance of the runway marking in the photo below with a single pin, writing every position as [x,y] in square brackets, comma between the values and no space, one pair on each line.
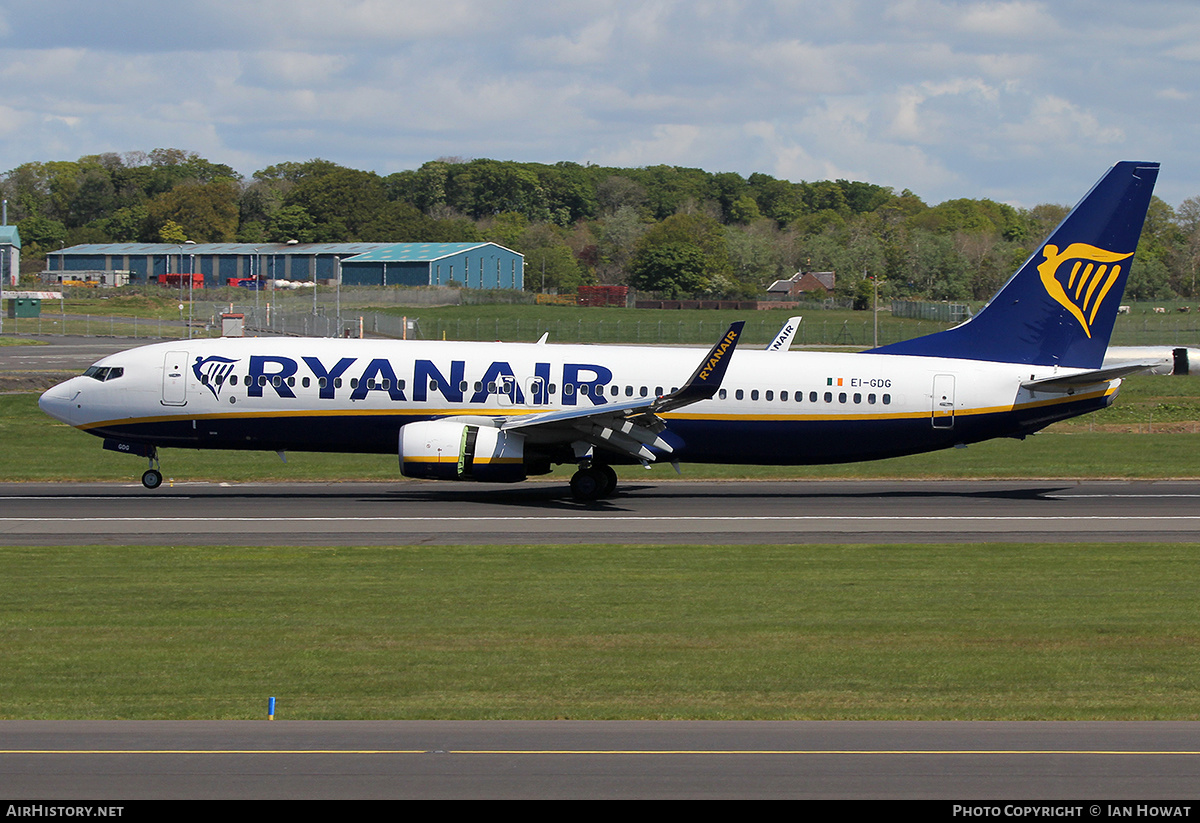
[606,517]
[725,752]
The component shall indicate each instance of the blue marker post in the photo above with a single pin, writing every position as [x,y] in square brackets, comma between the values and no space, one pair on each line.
[270,708]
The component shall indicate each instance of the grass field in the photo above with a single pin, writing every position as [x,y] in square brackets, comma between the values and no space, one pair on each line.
[946,632]
[113,311]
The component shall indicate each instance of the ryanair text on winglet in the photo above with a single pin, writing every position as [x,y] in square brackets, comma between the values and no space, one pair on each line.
[718,353]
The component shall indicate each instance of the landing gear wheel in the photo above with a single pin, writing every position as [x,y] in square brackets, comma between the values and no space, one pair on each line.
[588,484]
[152,479]
[610,480]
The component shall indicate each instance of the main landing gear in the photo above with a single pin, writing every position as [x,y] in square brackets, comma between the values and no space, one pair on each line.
[594,482]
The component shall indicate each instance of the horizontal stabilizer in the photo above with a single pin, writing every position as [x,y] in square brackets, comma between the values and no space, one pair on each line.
[1074,382]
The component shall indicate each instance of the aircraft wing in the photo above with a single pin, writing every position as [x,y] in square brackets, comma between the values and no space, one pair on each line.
[1073,382]
[632,426]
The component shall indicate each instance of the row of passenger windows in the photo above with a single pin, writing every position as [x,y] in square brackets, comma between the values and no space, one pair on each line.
[569,389]
[813,397]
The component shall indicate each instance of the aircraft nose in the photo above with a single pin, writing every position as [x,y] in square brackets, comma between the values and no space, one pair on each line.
[58,402]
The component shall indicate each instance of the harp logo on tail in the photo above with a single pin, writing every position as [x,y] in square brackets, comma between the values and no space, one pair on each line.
[1079,278]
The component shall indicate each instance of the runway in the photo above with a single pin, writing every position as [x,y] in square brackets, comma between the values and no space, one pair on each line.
[1087,765]
[665,512]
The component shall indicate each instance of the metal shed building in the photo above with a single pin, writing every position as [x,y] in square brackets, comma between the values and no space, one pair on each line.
[474,265]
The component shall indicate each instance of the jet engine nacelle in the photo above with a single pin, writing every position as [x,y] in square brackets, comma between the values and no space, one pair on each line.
[449,450]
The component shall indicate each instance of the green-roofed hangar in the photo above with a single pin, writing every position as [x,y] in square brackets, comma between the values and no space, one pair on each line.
[470,265]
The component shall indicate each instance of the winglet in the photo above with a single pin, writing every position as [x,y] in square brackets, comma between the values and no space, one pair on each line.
[783,340]
[707,378]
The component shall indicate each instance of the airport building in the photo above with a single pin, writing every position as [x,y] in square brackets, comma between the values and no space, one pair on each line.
[470,265]
[10,255]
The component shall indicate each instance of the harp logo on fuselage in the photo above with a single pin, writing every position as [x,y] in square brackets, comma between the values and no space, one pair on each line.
[1079,278]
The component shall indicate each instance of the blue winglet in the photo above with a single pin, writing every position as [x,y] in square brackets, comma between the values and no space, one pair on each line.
[1060,306]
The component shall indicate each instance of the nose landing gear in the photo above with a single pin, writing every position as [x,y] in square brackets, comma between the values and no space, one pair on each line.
[152,478]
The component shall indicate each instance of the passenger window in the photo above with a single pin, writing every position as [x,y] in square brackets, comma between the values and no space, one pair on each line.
[857,398]
[770,395]
[304,382]
[828,397]
[871,399]
[841,397]
[643,391]
[887,400]
[721,393]
[812,397]
[754,394]
[739,394]
[322,382]
[354,383]
[569,389]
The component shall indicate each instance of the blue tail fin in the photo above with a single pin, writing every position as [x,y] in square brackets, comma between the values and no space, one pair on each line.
[1060,306]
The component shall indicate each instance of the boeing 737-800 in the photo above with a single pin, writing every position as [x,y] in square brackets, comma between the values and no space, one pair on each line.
[505,411]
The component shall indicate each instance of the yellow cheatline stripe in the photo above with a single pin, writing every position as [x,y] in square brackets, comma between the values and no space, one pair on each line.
[512,412]
[726,752]
[453,458]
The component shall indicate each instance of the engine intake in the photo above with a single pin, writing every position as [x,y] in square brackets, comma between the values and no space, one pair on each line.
[447,450]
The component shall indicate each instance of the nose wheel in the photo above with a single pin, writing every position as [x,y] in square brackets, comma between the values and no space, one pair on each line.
[152,478]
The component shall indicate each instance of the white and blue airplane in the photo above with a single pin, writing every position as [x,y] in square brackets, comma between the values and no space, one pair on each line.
[500,412]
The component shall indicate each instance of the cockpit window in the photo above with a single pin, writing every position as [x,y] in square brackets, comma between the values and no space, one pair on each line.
[104,373]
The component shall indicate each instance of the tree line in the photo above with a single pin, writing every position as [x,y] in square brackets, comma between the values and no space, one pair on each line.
[665,229]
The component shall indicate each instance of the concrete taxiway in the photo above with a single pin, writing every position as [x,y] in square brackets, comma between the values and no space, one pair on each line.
[405,513]
[1081,763]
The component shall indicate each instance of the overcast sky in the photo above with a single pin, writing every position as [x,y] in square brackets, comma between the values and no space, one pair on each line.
[1022,102]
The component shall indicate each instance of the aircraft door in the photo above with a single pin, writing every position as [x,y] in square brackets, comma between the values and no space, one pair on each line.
[535,391]
[507,391]
[174,385]
[943,401]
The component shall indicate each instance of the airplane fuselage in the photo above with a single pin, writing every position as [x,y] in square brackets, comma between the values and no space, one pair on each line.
[354,395]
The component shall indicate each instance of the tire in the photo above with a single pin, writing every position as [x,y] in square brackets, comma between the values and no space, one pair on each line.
[587,484]
[152,479]
[610,480]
